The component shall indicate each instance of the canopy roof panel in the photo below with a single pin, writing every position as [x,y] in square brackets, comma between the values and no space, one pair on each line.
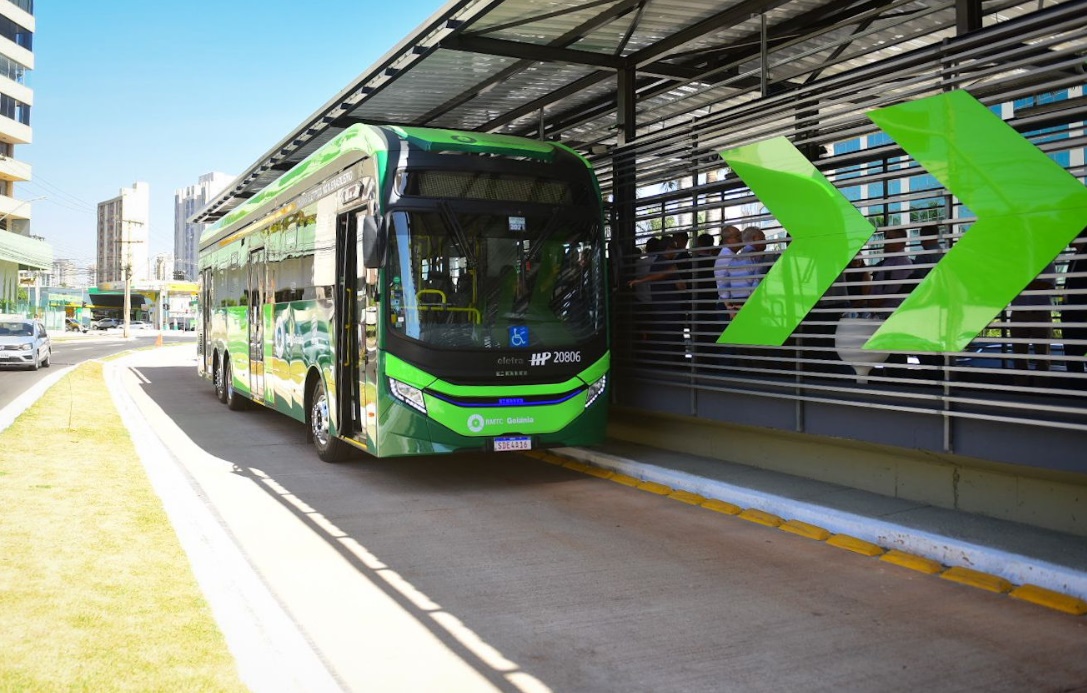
[551,69]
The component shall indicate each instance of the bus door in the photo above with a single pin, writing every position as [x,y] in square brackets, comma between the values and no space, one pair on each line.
[348,392]
[205,318]
[256,323]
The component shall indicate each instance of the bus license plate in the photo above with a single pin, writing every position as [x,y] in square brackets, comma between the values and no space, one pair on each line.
[512,443]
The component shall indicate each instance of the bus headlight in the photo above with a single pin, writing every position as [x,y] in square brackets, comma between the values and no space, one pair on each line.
[594,390]
[411,396]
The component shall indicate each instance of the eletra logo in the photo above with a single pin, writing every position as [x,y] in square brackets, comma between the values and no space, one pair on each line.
[475,423]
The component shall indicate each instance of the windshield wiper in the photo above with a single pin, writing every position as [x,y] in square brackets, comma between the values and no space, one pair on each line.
[548,231]
[458,234]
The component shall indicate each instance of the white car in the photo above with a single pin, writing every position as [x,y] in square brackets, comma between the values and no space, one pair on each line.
[23,342]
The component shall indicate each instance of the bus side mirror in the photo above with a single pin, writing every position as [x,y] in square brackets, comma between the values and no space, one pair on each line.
[373,241]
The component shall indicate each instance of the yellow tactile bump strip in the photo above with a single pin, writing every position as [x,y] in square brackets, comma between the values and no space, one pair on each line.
[908,560]
[1054,600]
[803,529]
[976,578]
[760,517]
[965,576]
[864,548]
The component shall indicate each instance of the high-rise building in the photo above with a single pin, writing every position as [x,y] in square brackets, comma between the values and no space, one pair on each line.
[123,225]
[187,202]
[64,273]
[19,252]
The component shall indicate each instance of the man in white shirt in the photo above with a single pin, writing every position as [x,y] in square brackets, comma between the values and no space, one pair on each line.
[731,243]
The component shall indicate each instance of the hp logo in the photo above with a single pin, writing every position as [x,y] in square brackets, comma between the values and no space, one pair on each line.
[539,359]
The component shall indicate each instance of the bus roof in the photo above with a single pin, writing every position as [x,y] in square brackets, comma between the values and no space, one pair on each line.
[372,140]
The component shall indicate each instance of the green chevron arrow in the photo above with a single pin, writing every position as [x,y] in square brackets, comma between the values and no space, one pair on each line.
[826,231]
[1028,208]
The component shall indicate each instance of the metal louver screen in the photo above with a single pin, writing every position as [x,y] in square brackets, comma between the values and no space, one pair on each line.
[1024,370]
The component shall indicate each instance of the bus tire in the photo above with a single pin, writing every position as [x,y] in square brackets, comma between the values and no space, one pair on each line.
[220,381]
[234,400]
[329,449]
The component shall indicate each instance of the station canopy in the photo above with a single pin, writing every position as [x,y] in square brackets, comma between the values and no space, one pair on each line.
[593,73]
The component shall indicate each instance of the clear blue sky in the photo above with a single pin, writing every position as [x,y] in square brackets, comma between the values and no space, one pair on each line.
[163,92]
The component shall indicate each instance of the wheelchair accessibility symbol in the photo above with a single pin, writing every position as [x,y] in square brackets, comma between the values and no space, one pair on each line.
[519,336]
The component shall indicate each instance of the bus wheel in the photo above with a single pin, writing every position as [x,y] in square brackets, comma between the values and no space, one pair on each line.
[329,448]
[233,400]
[222,373]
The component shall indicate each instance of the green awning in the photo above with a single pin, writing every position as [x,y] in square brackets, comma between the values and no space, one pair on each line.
[26,251]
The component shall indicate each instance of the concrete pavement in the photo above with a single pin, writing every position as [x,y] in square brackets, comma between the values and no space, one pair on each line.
[218,508]
[1020,554]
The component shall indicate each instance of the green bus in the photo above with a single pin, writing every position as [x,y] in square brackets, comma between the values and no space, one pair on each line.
[410,291]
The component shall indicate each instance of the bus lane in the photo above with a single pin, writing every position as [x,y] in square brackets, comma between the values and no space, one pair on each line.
[503,572]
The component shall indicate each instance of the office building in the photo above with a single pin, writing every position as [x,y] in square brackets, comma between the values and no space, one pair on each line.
[187,202]
[123,225]
[22,256]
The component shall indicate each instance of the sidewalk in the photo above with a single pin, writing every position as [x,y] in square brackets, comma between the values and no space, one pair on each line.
[271,651]
[1016,553]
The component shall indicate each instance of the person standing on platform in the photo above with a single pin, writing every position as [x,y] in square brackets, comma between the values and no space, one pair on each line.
[890,284]
[731,244]
[1074,322]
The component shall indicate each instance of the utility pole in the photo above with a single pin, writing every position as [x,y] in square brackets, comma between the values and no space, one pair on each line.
[127,242]
[127,269]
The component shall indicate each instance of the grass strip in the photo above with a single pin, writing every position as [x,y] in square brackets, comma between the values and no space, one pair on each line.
[96,592]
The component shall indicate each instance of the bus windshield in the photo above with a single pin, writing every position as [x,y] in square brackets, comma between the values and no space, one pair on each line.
[484,280]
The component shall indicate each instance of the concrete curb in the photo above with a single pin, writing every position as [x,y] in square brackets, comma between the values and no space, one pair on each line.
[1020,570]
[16,407]
[271,651]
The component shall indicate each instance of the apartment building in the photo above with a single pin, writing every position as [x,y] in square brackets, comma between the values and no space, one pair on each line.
[21,255]
[123,227]
[187,202]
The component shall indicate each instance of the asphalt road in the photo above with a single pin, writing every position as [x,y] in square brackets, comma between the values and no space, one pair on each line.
[502,572]
[71,349]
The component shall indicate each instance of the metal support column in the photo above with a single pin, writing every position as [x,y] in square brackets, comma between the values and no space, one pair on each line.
[625,176]
[967,16]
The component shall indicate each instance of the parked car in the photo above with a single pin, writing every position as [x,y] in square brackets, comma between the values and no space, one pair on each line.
[139,325]
[106,323]
[23,342]
[71,325]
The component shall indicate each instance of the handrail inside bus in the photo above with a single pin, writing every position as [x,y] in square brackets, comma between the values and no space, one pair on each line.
[475,314]
[441,293]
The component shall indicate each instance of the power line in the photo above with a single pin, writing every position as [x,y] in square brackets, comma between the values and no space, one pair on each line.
[58,191]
